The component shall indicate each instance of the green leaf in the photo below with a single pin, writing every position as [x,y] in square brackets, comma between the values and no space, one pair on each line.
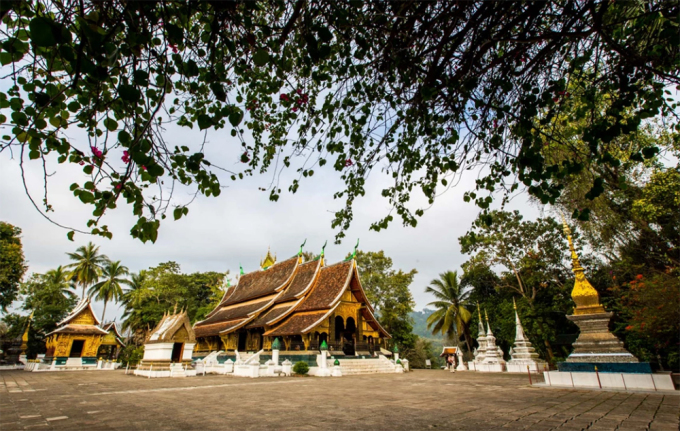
[41,31]
[34,154]
[110,124]
[204,121]
[70,235]
[128,93]
[88,169]
[236,117]
[261,57]
[86,197]
[177,213]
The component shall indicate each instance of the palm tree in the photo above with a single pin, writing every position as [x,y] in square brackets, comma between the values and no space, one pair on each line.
[59,278]
[110,288]
[87,266]
[450,316]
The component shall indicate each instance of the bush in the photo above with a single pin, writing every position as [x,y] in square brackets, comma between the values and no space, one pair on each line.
[131,355]
[301,368]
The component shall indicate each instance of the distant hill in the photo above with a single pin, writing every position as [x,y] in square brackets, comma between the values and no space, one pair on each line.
[420,328]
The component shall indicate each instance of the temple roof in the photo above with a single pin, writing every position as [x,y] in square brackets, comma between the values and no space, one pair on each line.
[112,327]
[83,305]
[261,283]
[79,329]
[290,295]
[169,326]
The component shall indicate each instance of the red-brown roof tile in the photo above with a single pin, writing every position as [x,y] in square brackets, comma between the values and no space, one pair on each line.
[329,286]
[297,323]
[304,276]
[237,312]
[262,283]
[216,328]
[270,315]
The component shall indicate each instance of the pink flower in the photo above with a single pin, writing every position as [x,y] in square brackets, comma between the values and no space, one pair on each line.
[97,152]
[284,97]
[143,167]
[173,47]
[294,109]
[126,157]
[348,163]
[119,186]
[81,163]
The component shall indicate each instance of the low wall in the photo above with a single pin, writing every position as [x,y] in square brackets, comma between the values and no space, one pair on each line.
[624,381]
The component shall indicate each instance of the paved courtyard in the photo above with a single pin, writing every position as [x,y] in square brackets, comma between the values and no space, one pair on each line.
[423,399]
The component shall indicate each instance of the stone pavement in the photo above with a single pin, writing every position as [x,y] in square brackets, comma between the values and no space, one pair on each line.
[423,399]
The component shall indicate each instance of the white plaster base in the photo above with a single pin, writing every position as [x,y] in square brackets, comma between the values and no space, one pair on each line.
[624,381]
[535,367]
[337,372]
[472,366]
[490,368]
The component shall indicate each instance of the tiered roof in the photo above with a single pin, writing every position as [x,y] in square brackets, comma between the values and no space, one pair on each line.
[171,325]
[288,298]
[82,321]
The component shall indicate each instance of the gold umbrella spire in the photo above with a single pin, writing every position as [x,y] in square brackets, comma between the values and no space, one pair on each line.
[584,294]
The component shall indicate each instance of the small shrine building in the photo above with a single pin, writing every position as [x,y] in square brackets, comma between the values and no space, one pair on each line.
[168,348]
[112,342]
[77,339]
[300,303]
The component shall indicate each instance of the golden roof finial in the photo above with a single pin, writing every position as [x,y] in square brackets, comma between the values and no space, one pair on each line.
[514,304]
[486,315]
[479,311]
[268,260]
[584,294]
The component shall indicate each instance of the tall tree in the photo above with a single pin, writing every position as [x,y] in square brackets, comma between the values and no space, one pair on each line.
[60,279]
[50,300]
[450,317]
[388,291]
[424,90]
[87,266]
[12,264]
[111,287]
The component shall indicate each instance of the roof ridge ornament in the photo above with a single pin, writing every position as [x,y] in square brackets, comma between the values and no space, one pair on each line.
[268,260]
[301,246]
[241,268]
[585,296]
[354,253]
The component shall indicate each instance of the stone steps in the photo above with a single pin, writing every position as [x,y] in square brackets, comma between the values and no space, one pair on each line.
[364,366]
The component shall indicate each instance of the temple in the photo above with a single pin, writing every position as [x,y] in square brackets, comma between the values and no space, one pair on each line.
[299,303]
[77,339]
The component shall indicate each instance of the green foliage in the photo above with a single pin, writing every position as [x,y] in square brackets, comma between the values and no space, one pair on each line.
[50,299]
[421,351]
[12,264]
[131,355]
[113,274]
[396,86]
[301,368]
[451,317]
[388,292]
[87,266]
[160,289]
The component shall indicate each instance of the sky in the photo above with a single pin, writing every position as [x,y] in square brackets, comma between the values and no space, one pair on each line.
[242,223]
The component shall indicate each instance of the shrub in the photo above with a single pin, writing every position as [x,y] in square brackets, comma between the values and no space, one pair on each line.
[131,355]
[301,368]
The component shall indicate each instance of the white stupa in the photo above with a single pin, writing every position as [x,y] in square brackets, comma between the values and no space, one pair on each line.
[523,354]
[493,356]
[480,351]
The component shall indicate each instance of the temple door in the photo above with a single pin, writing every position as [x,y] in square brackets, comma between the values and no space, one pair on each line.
[177,349]
[77,349]
[242,338]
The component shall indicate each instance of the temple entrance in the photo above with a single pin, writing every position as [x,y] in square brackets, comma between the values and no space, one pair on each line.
[339,327]
[177,352]
[77,349]
[242,338]
[348,337]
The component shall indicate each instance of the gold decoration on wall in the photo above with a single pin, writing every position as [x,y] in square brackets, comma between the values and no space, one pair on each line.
[584,294]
